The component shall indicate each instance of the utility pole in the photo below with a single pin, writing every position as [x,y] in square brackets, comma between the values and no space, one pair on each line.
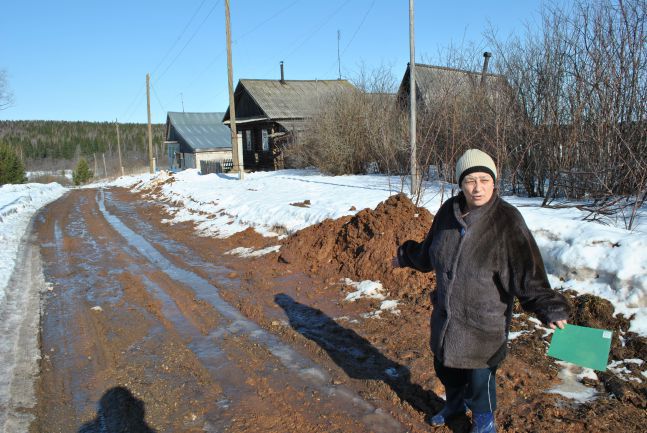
[105,168]
[237,156]
[121,166]
[182,99]
[338,57]
[415,184]
[151,160]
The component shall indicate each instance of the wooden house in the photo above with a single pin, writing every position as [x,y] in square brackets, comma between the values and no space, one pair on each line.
[191,138]
[270,113]
[437,84]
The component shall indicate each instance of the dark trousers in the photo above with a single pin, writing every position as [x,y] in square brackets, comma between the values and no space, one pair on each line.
[475,387]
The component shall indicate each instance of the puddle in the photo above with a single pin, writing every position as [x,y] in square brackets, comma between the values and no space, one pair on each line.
[304,368]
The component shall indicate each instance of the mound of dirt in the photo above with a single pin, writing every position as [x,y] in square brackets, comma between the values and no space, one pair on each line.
[361,247]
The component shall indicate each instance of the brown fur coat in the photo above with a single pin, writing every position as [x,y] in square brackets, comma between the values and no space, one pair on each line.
[482,262]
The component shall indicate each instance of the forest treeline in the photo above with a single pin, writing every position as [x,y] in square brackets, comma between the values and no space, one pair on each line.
[48,144]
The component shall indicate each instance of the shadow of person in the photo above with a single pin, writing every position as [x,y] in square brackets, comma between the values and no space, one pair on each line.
[118,412]
[358,358]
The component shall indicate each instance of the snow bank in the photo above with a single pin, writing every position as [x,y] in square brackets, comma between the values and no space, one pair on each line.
[588,257]
[592,258]
[18,203]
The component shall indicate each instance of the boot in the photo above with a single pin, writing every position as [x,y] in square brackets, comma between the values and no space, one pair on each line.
[454,406]
[483,423]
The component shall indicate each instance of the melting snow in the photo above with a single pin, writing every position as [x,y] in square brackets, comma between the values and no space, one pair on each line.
[251,252]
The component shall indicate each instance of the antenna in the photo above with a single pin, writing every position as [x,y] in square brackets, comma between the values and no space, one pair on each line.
[182,99]
[338,57]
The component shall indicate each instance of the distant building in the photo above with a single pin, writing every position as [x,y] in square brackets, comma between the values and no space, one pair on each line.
[191,138]
[437,84]
[269,113]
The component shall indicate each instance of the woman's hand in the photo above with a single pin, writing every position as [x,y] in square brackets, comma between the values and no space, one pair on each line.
[558,324]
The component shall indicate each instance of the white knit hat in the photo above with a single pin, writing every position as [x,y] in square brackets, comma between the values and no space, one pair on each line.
[474,160]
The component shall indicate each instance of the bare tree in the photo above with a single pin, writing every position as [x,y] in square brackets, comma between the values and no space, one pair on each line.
[6,96]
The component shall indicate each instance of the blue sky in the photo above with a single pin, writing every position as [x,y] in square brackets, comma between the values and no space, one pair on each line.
[88,59]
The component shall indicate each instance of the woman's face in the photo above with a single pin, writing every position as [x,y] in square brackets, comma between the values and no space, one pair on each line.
[478,188]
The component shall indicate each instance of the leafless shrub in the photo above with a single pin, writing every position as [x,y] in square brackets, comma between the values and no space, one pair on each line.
[581,89]
[355,131]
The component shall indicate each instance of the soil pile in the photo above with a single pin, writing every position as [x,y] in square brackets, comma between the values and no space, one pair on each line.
[361,247]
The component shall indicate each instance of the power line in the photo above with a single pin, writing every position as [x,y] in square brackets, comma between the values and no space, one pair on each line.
[179,37]
[235,41]
[316,30]
[189,41]
[354,34]
[313,32]
[128,112]
[358,27]
[159,101]
[262,23]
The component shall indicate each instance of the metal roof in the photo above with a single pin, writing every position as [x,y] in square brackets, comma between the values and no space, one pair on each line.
[290,99]
[200,131]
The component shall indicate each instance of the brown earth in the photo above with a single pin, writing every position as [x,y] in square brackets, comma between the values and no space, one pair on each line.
[297,295]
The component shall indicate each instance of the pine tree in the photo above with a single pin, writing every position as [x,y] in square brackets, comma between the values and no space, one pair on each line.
[12,169]
[82,172]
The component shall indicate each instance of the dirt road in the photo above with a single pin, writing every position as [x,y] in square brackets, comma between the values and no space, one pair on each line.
[131,307]
[171,332]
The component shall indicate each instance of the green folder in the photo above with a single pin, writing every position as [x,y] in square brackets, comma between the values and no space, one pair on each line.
[586,347]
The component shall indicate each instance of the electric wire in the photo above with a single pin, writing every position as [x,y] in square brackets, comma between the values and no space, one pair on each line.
[195,13]
[129,111]
[354,35]
[159,101]
[197,77]
[358,27]
[311,34]
[188,41]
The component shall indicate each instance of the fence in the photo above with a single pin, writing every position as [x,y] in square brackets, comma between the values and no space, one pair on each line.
[217,166]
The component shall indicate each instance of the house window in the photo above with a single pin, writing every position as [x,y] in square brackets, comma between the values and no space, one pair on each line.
[248,140]
[266,141]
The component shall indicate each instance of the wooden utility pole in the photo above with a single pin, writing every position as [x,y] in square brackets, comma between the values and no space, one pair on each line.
[236,156]
[338,57]
[415,183]
[151,160]
[121,166]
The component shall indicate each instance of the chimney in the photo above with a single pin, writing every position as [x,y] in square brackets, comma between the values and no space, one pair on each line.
[486,60]
[282,77]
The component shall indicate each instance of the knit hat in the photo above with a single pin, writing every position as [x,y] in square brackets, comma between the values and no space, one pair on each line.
[472,161]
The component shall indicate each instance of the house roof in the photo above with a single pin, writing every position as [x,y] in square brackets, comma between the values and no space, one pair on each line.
[288,99]
[436,82]
[199,131]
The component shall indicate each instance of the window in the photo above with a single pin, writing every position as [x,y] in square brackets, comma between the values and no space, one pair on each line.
[248,140]
[266,142]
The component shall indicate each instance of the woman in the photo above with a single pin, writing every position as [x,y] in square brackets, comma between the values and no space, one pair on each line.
[484,256]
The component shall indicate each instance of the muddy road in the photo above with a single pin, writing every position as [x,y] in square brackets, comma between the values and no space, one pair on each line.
[151,325]
[136,322]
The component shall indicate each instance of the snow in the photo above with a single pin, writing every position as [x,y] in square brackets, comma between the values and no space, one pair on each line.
[364,289]
[18,203]
[571,386]
[589,257]
[251,252]
[36,174]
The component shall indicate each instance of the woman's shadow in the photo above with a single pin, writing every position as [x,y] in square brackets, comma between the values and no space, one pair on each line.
[358,358]
[119,411]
